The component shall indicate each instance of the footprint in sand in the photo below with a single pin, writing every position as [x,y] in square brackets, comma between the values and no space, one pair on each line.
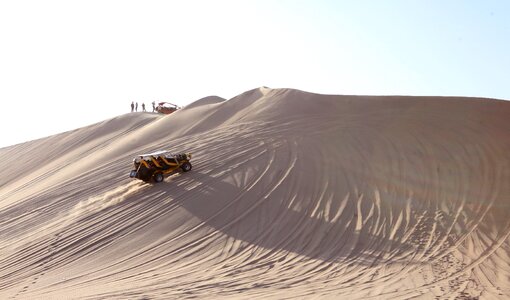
[44,265]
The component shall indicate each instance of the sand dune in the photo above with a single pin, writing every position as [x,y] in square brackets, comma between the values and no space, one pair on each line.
[292,195]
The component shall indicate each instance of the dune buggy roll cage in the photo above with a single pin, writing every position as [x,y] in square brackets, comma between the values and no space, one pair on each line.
[154,166]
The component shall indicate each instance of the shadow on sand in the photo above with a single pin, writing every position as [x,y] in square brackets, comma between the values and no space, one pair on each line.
[269,223]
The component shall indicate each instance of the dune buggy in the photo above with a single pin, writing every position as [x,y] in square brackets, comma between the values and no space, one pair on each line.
[166,108]
[155,166]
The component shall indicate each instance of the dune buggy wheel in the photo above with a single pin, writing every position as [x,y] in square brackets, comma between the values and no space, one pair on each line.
[158,177]
[186,167]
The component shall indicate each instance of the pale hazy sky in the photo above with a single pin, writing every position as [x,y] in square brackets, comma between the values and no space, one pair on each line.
[67,64]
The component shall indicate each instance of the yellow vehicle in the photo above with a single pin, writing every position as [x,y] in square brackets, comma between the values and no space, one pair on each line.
[155,166]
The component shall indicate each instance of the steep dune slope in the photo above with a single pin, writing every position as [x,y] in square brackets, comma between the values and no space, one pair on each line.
[292,194]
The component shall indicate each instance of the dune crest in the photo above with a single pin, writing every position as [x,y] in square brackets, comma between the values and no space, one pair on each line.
[205,101]
[292,195]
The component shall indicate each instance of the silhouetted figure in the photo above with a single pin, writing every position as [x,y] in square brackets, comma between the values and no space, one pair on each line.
[132,106]
[153,106]
[143,106]
[136,106]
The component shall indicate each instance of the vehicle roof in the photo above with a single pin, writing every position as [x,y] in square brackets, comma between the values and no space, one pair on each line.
[157,153]
[163,103]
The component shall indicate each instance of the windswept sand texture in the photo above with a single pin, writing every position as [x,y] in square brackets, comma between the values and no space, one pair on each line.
[292,195]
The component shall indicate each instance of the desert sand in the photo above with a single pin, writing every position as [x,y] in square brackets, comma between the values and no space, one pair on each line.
[292,195]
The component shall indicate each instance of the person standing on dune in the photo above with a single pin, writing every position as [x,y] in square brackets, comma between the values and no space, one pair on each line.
[153,106]
[143,106]
[132,106]
[136,106]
